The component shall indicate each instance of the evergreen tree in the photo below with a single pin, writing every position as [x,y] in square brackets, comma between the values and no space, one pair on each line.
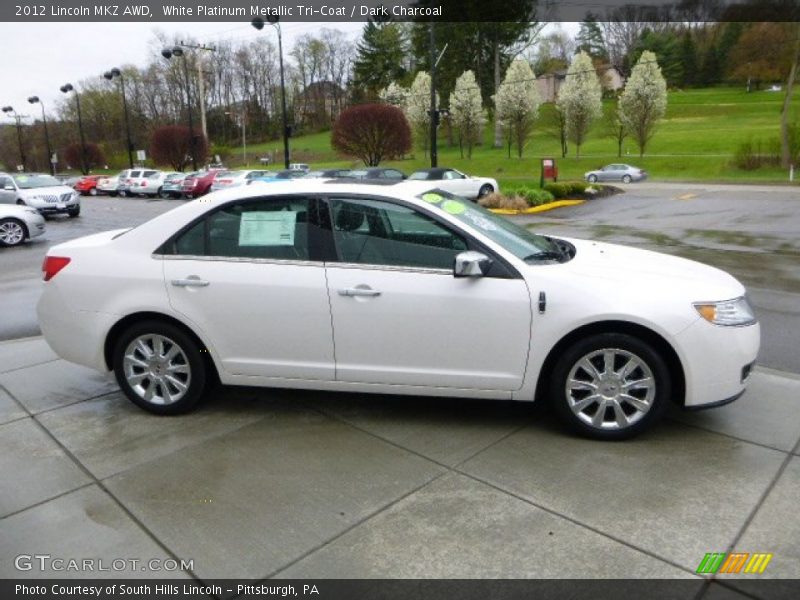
[590,39]
[688,59]
[380,56]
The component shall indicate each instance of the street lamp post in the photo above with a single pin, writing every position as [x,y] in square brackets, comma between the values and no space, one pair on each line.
[36,100]
[66,88]
[273,20]
[115,72]
[9,110]
[168,54]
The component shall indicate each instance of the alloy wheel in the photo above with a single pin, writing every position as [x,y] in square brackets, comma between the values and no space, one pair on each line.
[157,369]
[11,233]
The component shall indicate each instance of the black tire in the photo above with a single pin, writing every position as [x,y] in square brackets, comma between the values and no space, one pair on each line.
[624,347]
[592,179]
[21,202]
[12,232]
[93,191]
[123,194]
[112,194]
[162,193]
[626,179]
[74,212]
[190,358]
[485,190]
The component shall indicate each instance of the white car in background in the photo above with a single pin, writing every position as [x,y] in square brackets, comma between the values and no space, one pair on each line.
[148,182]
[457,182]
[43,192]
[19,223]
[420,292]
[231,179]
[108,185]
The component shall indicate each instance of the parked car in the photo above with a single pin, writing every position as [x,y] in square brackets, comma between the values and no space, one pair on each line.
[126,180]
[146,183]
[617,172]
[108,184]
[457,182]
[200,183]
[229,179]
[299,167]
[19,223]
[328,174]
[43,192]
[377,173]
[421,293]
[172,187]
[87,185]
[273,176]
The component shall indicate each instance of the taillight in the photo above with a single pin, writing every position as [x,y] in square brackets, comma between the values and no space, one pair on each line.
[52,265]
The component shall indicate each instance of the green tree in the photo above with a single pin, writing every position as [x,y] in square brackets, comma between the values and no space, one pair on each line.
[380,56]
[644,100]
[590,38]
[580,99]
[688,58]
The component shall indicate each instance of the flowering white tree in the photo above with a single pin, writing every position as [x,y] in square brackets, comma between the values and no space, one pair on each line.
[418,108]
[393,94]
[580,99]
[644,100]
[466,111]
[517,104]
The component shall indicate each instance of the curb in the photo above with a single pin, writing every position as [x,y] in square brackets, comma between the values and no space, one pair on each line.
[537,209]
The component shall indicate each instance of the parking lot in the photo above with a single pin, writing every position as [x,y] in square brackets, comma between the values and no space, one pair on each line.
[260,483]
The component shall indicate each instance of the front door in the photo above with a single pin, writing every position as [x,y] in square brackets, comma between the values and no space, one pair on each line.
[245,277]
[400,317]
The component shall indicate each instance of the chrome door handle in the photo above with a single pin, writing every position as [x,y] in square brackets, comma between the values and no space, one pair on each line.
[189,282]
[359,292]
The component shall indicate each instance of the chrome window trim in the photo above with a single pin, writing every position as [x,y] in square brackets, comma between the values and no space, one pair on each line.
[395,268]
[239,259]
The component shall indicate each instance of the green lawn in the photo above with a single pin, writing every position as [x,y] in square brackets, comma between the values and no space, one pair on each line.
[695,141]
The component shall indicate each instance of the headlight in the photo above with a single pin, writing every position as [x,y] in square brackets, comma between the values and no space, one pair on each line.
[727,312]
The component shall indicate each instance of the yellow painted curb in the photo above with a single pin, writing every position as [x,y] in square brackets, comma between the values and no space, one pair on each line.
[537,209]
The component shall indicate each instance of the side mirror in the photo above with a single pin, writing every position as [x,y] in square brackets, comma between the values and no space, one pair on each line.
[471,264]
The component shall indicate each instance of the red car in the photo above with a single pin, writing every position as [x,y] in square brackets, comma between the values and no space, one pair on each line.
[200,184]
[87,185]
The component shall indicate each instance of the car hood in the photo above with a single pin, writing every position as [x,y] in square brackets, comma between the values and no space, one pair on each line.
[21,212]
[54,190]
[626,268]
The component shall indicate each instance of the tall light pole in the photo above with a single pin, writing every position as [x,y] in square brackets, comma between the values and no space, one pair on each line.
[168,54]
[66,88]
[273,20]
[36,100]
[115,72]
[9,110]
[434,115]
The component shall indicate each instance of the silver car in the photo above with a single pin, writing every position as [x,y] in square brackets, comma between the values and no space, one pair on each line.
[43,192]
[19,223]
[616,172]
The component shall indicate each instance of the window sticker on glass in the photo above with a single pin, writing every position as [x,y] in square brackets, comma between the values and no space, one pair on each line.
[480,221]
[453,207]
[432,197]
[261,228]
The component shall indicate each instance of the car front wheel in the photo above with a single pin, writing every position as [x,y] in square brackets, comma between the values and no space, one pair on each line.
[610,386]
[12,232]
[159,368]
[74,212]
[485,190]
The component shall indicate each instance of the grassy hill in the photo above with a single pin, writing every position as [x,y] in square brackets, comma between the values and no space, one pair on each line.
[696,141]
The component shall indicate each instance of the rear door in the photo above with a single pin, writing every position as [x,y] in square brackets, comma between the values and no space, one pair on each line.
[249,278]
[7,196]
[399,315]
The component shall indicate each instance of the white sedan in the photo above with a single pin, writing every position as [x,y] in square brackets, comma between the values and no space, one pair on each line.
[19,223]
[418,291]
[457,182]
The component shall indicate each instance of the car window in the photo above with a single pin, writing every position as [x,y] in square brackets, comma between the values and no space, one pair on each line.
[149,174]
[392,174]
[4,181]
[274,228]
[378,232]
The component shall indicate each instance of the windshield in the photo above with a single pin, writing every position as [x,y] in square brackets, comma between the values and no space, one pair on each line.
[521,242]
[29,182]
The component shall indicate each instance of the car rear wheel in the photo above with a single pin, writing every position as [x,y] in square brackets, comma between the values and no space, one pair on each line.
[592,178]
[610,386]
[12,232]
[626,179]
[123,194]
[93,192]
[159,368]
[162,193]
[485,190]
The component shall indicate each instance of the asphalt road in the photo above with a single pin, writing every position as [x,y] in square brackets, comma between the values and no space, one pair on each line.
[750,231]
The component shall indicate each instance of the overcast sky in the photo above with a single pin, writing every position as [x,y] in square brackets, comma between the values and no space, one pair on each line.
[38,58]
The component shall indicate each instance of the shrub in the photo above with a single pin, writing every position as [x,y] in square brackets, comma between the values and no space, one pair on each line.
[566,189]
[495,200]
[372,132]
[172,145]
[535,196]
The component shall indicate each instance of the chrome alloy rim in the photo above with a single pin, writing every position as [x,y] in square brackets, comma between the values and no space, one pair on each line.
[610,389]
[11,233]
[157,369]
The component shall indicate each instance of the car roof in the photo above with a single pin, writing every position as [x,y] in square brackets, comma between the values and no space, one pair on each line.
[435,171]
